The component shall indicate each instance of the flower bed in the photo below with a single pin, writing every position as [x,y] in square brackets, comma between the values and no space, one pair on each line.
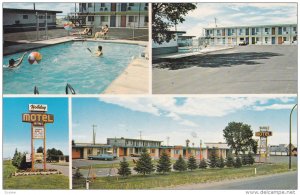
[36,172]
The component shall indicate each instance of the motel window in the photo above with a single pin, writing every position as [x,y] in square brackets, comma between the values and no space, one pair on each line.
[89,151]
[266,39]
[48,17]
[146,19]
[90,5]
[90,18]
[284,28]
[104,18]
[294,28]
[284,39]
[146,4]
[131,4]
[176,151]
[131,18]
[25,17]
[41,17]
[280,30]
[102,4]
[257,30]
[152,150]
[267,30]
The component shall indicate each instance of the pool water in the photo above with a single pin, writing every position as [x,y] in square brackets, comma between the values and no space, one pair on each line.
[72,63]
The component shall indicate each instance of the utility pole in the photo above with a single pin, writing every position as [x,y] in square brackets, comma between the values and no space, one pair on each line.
[216,22]
[168,139]
[290,146]
[140,135]
[94,134]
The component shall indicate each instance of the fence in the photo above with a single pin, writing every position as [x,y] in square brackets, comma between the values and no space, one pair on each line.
[45,27]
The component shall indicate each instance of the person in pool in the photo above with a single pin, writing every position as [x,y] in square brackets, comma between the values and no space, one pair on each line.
[99,51]
[15,63]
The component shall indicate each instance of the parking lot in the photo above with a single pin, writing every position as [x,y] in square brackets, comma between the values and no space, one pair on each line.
[241,70]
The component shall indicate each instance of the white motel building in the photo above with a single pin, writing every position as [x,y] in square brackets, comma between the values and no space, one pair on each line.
[279,34]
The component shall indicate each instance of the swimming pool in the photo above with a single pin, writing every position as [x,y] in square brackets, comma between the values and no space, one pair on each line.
[72,63]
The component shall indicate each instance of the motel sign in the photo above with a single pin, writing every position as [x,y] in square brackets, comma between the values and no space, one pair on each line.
[38,118]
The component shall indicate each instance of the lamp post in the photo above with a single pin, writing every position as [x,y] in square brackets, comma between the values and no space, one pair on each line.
[290,146]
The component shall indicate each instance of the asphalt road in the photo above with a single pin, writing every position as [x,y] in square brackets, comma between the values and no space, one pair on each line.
[282,181]
[64,169]
[241,70]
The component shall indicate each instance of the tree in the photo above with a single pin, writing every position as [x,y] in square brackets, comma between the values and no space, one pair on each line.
[40,150]
[144,164]
[244,159]
[53,154]
[77,174]
[164,163]
[229,161]
[124,169]
[192,164]
[238,162]
[16,160]
[23,164]
[251,159]
[221,163]
[239,137]
[213,158]
[203,164]
[165,16]
[180,164]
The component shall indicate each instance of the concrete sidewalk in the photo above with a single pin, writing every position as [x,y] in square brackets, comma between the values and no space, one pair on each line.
[193,53]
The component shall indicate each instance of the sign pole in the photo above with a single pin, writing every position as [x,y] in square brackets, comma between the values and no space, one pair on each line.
[32,149]
[45,152]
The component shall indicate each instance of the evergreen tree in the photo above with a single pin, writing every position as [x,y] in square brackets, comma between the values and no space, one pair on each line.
[244,159]
[23,164]
[144,164]
[16,160]
[229,161]
[251,159]
[77,174]
[221,163]
[203,164]
[213,159]
[192,164]
[180,164]
[164,163]
[124,169]
[238,162]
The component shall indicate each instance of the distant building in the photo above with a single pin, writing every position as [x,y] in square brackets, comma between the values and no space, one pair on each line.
[281,149]
[127,147]
[132,15]
[167,47]
[15,20]
[278,34]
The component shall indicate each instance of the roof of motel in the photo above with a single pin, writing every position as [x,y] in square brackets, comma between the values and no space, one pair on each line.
[135,139]
[244,26]
[29,10]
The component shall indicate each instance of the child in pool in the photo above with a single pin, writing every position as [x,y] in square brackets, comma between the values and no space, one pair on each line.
[99,51]
[15,63]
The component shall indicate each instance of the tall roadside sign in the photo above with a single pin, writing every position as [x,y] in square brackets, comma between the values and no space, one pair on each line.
[263,135]
[38,118]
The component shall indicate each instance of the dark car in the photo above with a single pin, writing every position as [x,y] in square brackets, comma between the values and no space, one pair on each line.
[101,157]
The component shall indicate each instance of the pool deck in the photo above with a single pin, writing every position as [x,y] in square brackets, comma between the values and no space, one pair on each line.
[133,80]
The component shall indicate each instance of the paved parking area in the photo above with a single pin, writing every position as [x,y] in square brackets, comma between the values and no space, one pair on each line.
[241,70]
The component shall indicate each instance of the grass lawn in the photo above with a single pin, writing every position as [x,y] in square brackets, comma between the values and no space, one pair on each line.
[33,181]
[187,177]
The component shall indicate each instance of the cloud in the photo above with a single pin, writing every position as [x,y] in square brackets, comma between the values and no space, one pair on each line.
[274,107]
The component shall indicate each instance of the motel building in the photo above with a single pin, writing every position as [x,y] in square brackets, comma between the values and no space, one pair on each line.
[280,34]
[16,20]
[131,15]
[125,147]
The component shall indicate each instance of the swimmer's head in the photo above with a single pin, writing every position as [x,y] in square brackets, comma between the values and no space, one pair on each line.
[100,48]
[11,62]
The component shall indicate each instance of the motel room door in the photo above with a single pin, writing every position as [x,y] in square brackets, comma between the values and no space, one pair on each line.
[113,21]
[123,21]
[280,40]
[273,41]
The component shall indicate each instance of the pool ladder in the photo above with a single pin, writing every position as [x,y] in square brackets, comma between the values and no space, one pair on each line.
[69,89]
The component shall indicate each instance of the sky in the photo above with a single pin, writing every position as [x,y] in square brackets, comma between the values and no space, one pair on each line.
[64,7]
[16,134]
[233,14]
[193,118]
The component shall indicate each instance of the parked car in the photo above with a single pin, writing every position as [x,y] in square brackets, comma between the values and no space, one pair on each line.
[135,155]
[243,43]
[101,157]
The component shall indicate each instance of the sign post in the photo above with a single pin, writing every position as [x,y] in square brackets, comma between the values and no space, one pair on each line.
[38,118]
[263,134]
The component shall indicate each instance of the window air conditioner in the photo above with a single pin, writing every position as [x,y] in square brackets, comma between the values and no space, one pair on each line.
[101,9]
[105,9]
